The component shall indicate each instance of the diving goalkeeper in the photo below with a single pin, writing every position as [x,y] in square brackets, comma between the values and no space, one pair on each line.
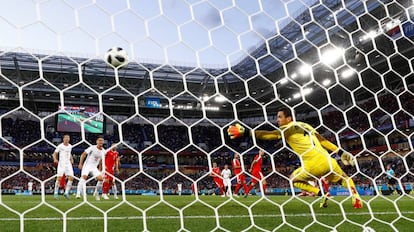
[313,150]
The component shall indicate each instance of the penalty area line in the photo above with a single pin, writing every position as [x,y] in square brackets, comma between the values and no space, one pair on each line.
[196,216]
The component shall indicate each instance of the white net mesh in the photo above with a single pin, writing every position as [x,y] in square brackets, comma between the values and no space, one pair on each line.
[195,68]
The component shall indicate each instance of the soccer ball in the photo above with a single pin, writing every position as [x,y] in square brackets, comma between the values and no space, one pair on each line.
[116,57]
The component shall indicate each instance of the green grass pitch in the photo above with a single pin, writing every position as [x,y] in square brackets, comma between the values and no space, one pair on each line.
[382,213]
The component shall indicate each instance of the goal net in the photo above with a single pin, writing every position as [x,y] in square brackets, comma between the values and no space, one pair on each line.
[195,68]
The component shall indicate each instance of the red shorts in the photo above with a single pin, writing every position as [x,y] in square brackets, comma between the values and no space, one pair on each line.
[62,182]
[240,177]
[257,176]
[109,177]
[219,182]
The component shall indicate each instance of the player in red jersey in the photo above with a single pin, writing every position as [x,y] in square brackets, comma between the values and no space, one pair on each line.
[216,174]
[256,171]
[237,170]
[192,188]
[112,164]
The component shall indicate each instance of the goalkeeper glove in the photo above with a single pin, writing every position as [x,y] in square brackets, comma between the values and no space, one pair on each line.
[346,158]
[236,131]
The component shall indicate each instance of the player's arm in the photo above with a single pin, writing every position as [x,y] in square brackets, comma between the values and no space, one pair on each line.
[326,143]
[54,155]
[251,165]
[346,158]
[100,166]
[117,165]
[236,165]
[237,131]
[267,135]
[213,174]
[82,158]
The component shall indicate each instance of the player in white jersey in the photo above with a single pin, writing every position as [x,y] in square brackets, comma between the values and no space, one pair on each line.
[30,186]
[226,174]
[94,155]
[179,188]
[64,165]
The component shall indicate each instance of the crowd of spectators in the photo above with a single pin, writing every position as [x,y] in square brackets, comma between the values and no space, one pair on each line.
[370,171]
[159,162]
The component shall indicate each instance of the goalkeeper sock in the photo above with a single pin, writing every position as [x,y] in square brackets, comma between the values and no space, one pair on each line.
[56,186]
[306,187]
[264,189]
[350,185]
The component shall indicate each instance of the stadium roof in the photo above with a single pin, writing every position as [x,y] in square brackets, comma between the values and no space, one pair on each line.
[287,62]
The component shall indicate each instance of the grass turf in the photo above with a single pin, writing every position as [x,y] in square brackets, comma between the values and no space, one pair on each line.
[282,212]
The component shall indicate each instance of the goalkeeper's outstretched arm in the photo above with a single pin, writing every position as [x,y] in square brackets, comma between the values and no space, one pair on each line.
[346,158]
[237,131]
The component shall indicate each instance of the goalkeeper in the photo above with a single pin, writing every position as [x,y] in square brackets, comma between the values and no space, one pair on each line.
[312,148]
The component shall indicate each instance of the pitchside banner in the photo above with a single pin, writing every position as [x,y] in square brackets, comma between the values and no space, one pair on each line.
[152,102]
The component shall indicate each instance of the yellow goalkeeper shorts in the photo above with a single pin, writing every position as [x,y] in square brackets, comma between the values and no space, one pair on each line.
[316,168]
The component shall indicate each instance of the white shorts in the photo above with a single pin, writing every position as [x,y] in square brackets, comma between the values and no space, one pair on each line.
[227,182]
[86,170]
[66,169]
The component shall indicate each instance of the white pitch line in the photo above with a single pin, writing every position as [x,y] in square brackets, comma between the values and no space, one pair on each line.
[198,216]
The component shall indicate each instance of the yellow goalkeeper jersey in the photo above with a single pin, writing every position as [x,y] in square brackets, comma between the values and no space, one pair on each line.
[300,136]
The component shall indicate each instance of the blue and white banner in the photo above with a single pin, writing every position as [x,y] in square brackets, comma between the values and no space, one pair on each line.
[152,102]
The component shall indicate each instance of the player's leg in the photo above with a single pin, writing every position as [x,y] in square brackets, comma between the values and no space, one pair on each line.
[229,191]
[325,184]
[81,190]
[238,185]
[114,189]
[264,183]
[253,182]
[56,190]
[62,183]
[340,176]
[98,185]
[60,172]
[243,180]
[300,179]
[98,176]
[105,188]
[68,187]
[220,184]
[106,185]
[391,185]
[225,187]
[81,186]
